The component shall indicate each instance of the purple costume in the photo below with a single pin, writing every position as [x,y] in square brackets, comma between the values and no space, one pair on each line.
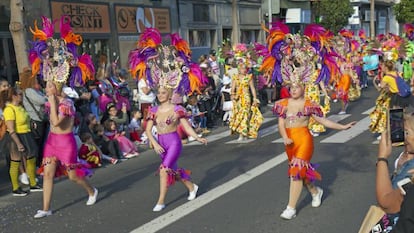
[61,148]
[171,142]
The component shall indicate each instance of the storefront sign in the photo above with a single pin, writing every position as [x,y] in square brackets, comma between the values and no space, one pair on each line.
[130,19]
[85,18]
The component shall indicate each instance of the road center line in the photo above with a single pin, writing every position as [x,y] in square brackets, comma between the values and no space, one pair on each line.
[205,198]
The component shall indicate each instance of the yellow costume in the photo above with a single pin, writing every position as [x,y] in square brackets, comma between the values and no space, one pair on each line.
[246,118]
[379,115]
[312,93]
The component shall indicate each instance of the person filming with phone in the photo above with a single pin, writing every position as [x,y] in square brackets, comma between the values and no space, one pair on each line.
[395,193]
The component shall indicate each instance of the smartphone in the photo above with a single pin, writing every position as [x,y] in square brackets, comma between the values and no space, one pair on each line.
[404,185]
[396,120]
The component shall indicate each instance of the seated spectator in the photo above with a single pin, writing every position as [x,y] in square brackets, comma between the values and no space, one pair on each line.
[120,118]
[135,129]
[128,148]
[108,146]
[122,92]
[198,120]
[91,153]
[227,105]
[389,196]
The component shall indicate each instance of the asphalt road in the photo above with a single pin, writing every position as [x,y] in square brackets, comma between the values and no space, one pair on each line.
[243,188]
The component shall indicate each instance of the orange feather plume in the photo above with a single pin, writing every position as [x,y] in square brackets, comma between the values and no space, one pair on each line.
[37,33]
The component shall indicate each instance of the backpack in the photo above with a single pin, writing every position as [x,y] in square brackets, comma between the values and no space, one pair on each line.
[404,90]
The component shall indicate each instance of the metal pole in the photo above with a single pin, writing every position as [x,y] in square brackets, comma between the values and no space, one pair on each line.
[372,19]
[270,13]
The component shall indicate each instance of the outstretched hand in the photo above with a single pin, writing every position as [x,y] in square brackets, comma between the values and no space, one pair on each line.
[349,125]
[202,140]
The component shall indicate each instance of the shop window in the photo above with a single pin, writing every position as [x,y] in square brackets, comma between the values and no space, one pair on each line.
[227,34]
[198,38]
[201,13]
[249,36]
[96,47]
[8,63]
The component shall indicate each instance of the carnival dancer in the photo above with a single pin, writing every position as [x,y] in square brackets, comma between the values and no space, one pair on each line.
[181,76]
[294,114]
[295,69]
[246,118]
[388,90]
[58,59]
[344,84]
[312,92]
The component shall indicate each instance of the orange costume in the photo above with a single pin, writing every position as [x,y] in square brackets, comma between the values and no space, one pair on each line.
[302,146]
[343,87]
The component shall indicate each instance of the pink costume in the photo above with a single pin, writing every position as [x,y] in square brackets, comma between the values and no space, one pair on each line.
[171,142]
[126,145]
[61,148]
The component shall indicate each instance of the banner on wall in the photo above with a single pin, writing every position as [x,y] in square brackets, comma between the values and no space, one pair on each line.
[85,18]
[133,19]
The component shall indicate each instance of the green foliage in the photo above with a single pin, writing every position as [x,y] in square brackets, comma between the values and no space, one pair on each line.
[404,11]
[334,13]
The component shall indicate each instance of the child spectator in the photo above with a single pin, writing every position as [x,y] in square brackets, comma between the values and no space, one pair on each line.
[127,147]
[112,113]
[108,146]
[134,126]
[226,98]
[91,153]
[198,119]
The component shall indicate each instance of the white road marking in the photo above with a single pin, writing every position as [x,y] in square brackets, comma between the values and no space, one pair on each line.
[218,136]
[368,111]
[346,135]
[205,198]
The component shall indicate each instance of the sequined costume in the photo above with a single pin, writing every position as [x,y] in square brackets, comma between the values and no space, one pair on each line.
[379,115]
[171,142]
[312,92]
[62,148]
[246,118]
[302,146]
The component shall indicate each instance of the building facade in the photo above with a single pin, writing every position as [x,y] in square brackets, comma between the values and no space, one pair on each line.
[113,27]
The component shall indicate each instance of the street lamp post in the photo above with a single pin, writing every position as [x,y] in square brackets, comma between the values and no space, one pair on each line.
[372,19]
[270,12]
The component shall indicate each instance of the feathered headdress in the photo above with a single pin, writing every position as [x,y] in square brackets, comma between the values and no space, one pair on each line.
[57,59]
[409,31]
[390,46]
[272,63]
[165,65]
[320,40]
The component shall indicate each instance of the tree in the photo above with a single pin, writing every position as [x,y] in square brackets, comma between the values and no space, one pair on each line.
[18,33]
[334,14]
[404,11]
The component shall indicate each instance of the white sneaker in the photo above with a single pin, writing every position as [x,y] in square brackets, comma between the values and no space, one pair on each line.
[317,198]
[191,139]
[288,213]
[341,113]
[42,213]
[24,179]
[192,195]
[92,199]
[158,208]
